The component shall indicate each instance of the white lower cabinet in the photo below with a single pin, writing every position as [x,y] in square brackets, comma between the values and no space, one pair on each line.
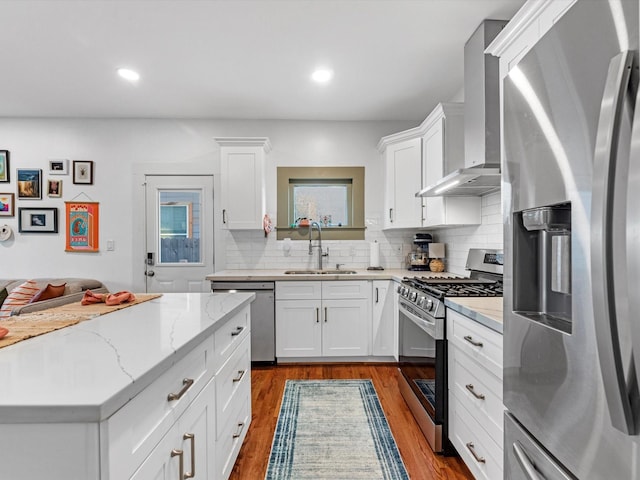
[323,319]
[184,451]
[384,319]
[475,395]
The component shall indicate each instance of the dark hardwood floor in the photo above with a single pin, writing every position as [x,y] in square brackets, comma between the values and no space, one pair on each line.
[268,386]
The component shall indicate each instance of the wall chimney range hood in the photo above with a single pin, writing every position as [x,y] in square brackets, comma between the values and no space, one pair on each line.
[481,121]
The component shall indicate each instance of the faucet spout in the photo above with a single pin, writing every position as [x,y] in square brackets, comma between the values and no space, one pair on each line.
[319,246]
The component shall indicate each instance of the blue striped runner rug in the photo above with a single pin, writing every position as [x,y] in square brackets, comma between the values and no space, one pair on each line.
[333,430]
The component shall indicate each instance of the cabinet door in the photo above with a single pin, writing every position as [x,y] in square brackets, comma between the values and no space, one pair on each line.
[193,435]
[384,329]
[433,145]
[345,328]
[298,328]
[242,186]
[404,174]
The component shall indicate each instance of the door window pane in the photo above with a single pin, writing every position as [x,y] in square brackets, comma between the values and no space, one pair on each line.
[180,225]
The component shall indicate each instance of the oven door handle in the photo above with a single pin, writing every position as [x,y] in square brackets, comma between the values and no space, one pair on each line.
[423,323]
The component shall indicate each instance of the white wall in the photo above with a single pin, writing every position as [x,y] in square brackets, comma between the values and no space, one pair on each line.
[121,148]
[459,240]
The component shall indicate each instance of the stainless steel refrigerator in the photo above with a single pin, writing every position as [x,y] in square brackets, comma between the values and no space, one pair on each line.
[571,193]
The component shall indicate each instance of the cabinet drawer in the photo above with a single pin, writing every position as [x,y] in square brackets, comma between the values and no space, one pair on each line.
[132,432]
[230,335]
[470,378]
[467,435]
[231,380]
[229,443]
[298,290]
[345,289]
[477,341]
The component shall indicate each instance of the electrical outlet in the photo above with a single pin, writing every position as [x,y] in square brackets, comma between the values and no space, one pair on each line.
[111,245]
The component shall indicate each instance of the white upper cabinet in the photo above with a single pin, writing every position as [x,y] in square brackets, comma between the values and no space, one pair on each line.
[242,178]
[523,31]
[443,153]
[402,155]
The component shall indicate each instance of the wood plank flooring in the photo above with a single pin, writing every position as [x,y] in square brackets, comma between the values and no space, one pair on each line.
[267,388]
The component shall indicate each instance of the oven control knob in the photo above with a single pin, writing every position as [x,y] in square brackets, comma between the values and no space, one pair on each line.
[414,296]
[430,304]
[421,301]
[404,292]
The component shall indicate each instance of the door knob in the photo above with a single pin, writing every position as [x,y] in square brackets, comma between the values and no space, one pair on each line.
[149,273]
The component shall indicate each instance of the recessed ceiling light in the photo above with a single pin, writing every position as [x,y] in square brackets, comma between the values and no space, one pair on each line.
[129,74]
[322,75]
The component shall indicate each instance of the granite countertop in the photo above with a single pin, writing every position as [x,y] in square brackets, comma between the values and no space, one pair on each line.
[484,310]
[86,372]
[279,275]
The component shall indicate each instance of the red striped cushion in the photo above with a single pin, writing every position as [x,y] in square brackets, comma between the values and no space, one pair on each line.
[21,295]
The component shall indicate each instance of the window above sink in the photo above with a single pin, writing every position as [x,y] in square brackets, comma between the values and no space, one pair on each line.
[331,196]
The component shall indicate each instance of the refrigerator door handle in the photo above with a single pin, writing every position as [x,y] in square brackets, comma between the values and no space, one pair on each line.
[633,231]
[602,231]
[527,466]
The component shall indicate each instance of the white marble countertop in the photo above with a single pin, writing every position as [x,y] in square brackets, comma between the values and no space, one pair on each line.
[484,310]
[279,275]
[86,372]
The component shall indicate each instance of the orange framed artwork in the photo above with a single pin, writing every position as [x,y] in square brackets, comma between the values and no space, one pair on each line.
[82,226]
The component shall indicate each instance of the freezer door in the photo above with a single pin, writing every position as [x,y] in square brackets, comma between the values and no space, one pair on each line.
[525,459]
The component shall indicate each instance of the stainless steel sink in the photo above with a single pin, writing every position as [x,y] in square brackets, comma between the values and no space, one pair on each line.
[320,272]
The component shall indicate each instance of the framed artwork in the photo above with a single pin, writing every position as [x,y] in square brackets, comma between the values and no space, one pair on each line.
[38,220]
[54,188]
[29,184]
[83,172]
[59,167]
[82,228]
[7,204]
[4,166]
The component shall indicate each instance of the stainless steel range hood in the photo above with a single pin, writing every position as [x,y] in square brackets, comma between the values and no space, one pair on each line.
[481,121]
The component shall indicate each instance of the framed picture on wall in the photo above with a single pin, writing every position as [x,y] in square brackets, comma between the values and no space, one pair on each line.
[83,172]
[4,166]
[38,220]
[54,188]
[7,204]
[82,226]
[29,184]
[59,167]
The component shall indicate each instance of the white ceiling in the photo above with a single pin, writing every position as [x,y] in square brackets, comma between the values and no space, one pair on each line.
[236,59]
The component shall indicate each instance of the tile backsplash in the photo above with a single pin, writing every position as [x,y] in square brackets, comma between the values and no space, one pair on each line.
[251,250]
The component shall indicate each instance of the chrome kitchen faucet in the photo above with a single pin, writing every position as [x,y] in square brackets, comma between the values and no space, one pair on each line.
[319,246]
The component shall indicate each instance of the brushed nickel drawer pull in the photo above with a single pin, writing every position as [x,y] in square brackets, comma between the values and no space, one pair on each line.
[475,394]
[192,437]
[187,382]
[179,453]
[239,431]
[237,331]
[240,375]
[478,458]
[470,339]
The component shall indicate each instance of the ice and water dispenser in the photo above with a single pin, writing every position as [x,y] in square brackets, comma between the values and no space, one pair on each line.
[542,265]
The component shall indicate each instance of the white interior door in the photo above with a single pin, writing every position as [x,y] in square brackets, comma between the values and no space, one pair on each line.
[179,232]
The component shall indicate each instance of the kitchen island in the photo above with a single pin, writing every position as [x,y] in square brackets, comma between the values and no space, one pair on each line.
[94,400]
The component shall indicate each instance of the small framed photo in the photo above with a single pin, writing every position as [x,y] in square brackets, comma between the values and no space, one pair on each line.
[7,204]
[38,220]
[29,184]
[83,172]
[54,188]
[4,166]
[59,167]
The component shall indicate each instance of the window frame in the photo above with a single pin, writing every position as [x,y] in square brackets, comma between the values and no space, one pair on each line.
[323,175]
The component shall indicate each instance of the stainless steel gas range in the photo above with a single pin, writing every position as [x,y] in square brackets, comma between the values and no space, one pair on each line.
[423,339]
